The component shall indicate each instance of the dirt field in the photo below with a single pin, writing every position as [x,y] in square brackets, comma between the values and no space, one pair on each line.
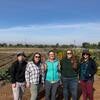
[6,92]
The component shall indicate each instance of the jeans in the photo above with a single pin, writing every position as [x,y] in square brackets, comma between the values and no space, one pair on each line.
[87,89]
[50,90]
[34,91]
[70,87]
[18,91]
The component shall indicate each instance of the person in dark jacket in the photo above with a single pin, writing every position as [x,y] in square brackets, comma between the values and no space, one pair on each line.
[17,72]
[69,74]
[86,74]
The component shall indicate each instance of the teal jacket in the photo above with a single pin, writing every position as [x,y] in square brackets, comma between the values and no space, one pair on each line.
[52,72]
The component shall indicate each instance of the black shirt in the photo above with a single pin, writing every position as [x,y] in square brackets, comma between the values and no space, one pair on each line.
[17,71]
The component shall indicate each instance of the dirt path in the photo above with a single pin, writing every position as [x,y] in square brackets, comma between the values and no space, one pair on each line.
[6,93]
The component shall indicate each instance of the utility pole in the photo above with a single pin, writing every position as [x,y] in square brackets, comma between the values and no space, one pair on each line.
[74,44]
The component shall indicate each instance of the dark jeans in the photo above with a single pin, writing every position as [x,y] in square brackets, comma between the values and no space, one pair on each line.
[50,90]
[70,87]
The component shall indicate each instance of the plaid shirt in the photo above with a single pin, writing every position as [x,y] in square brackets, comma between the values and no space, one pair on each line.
[32,73]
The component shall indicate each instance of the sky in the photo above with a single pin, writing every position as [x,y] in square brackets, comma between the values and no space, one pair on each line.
[49,21]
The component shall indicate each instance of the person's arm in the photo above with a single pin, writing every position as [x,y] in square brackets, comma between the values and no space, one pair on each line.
[94,67]
[43,72]
[75,63]
[79,71]
[59,67]
[13,73]
[61,64]
[27,76]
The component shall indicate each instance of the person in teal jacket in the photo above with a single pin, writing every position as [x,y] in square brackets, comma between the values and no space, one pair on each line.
[52,77]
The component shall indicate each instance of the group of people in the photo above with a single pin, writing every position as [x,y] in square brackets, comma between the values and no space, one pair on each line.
[51,73]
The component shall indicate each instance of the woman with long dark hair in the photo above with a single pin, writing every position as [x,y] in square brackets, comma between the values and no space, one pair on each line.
[69,74]
[86,74]
[33,74]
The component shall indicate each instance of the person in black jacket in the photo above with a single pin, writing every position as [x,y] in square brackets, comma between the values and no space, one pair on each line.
[17,72]
[86,74]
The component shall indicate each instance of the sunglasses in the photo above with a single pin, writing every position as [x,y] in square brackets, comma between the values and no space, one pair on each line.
[37,56]
[69,53]
[85,54]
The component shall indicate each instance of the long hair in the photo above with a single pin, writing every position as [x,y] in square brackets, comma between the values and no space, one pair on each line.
[73,59]
[34,57]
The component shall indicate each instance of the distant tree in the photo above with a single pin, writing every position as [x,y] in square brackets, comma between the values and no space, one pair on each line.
[40,46]
[85,45]
[99,45]
[71,46]
[26,45]
[64,46]
[19,45]
[94,46]
[11,45]
[3,45]
[57,45]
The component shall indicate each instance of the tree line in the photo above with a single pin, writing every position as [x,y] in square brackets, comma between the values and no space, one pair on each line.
[57,45]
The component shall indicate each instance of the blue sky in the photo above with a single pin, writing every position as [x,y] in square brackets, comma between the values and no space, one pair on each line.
[49,21]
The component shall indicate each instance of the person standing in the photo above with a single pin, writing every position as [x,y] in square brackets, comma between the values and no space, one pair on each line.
[17,72]
[69,74]
[86,74]
[33,75]
[52,76]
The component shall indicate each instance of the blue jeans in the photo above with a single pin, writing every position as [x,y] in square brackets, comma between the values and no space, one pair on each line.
[70,87]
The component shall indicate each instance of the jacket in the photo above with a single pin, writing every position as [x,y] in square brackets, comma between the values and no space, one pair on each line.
[17,71]
[87,70]
[52,71]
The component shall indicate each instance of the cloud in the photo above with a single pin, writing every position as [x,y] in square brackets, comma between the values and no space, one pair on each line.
[95,26]
[52,33]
